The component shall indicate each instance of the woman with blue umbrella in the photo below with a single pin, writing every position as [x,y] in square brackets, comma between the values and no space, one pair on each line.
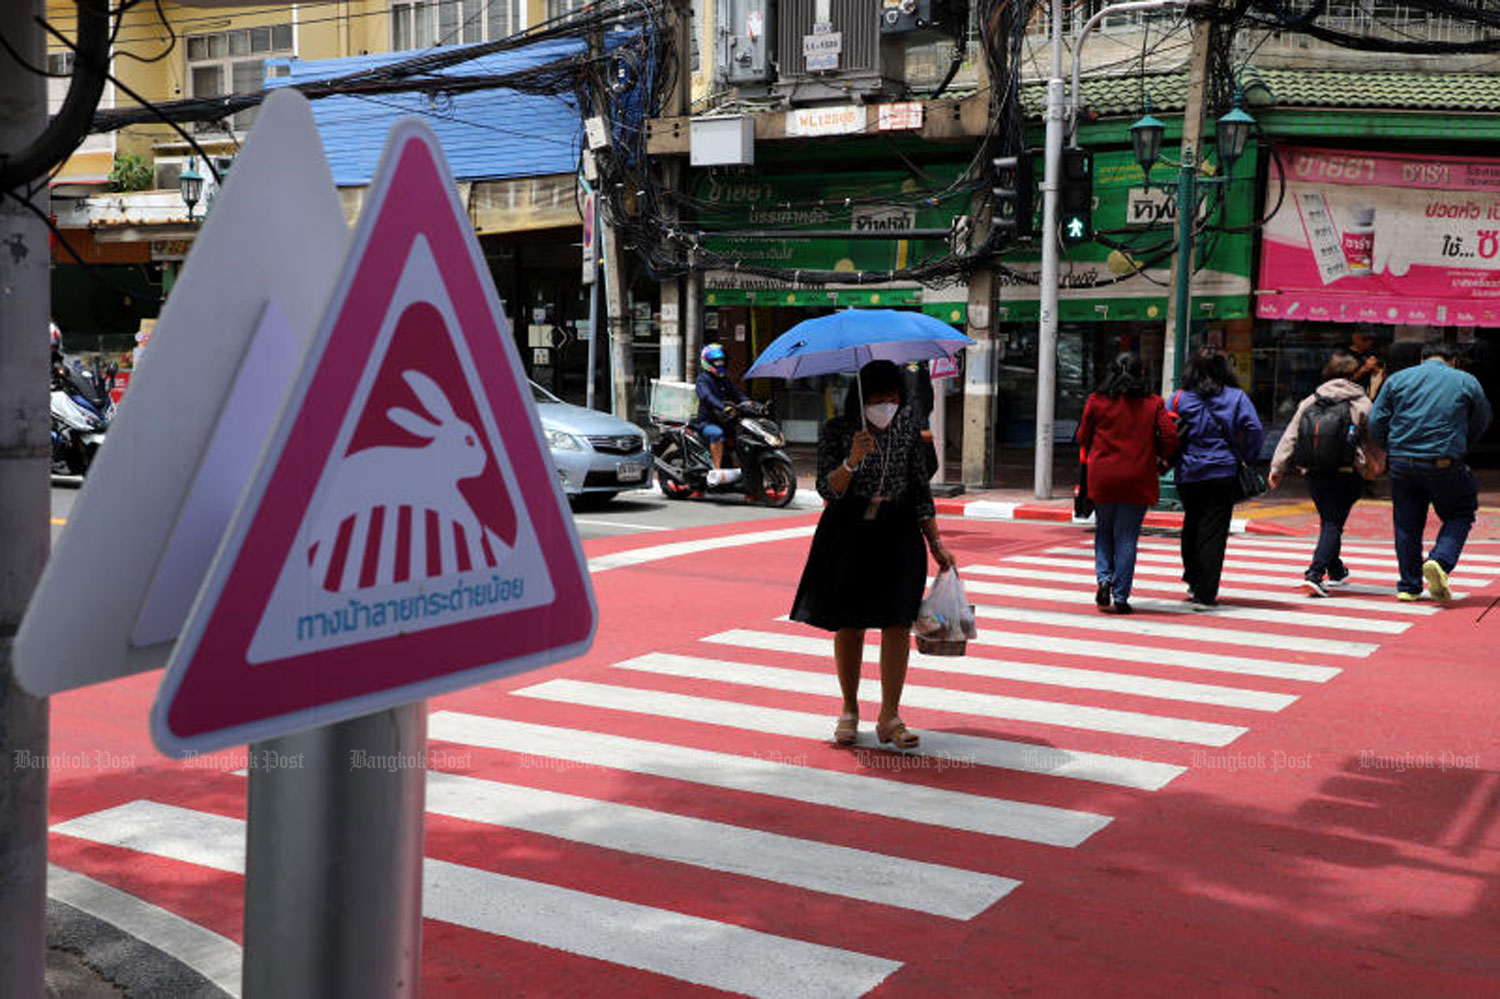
[867,565]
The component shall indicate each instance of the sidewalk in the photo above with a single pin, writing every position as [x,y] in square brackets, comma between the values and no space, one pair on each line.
[1288,511]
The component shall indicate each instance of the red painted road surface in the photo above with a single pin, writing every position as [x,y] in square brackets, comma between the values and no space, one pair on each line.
[1287,796]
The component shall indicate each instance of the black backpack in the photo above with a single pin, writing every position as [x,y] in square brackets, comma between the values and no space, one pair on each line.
[1326,436]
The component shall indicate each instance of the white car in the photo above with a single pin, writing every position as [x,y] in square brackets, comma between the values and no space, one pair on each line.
[596,454]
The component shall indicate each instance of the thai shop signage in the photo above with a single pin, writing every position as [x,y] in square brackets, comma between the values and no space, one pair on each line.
[1124,274]
[861,203]
[1371,237]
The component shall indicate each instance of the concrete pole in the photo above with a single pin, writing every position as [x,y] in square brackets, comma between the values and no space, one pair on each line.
[333,868]
[1046,350]
[977,448]
[593,287]
[671,330]
[1179,294]
[617,323]
[25,502]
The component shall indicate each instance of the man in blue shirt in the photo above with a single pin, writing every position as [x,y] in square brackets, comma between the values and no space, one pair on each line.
[717,399]
[1425,417]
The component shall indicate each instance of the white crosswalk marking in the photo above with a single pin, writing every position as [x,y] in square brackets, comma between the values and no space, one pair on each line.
[1077,595]
[837,870]
[1029,757]
[1288,589]
[702,951]
[1289,566]
[1146,628]
[1063,676]
[1357,548]
[872,795]
[961,701]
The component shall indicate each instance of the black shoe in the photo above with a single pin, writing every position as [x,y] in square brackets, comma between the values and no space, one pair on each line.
[1101,595]
[1314,586]
[1123,607]
[1338,580]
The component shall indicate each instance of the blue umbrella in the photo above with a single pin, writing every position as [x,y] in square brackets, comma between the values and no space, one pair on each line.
[848,340]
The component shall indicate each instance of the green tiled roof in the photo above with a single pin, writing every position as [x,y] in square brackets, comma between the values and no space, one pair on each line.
[1291,88]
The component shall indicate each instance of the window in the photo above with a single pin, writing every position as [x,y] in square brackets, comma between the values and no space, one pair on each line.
[421,24]
[60,63]
[557,8]
[234,62]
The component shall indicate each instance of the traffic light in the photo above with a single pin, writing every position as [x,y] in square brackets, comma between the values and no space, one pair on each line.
[1075,203]
[1014,184]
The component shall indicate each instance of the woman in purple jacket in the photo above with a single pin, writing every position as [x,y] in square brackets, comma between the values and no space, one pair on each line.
[1218,426]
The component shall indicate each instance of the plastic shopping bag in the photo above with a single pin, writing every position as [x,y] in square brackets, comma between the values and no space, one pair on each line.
[945,619]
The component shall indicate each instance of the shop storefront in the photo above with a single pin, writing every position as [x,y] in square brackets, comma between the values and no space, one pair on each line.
[745,312]
[1392,249]
[1114,293]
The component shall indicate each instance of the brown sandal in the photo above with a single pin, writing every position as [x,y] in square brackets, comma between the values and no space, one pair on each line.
[895,733]
[847,730]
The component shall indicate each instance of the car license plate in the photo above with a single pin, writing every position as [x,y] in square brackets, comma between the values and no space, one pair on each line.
[631,472]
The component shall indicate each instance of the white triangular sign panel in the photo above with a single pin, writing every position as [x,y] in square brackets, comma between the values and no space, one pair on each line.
[404,534]
[261,271]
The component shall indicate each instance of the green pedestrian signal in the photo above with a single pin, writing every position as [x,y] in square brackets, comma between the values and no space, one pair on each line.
[1075,207]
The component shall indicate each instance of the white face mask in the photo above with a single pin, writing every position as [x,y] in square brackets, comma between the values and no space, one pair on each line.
[881,415]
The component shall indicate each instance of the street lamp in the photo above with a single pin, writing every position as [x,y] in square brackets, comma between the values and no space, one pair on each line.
[1231,131]
[190,183]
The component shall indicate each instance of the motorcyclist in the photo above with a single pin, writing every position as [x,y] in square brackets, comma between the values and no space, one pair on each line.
[718,399]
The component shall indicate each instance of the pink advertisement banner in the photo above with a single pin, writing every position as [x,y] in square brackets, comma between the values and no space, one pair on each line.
[1369,237]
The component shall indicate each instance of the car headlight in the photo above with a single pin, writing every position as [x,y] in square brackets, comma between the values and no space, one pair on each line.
[559,441]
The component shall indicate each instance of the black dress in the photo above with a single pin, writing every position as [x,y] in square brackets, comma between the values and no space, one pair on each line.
[868,571]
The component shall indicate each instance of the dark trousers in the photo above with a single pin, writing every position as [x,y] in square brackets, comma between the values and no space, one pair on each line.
[1455,498]
[1207,508]
[1334,494]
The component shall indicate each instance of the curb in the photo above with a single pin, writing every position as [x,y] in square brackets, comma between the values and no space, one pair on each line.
[1047,513]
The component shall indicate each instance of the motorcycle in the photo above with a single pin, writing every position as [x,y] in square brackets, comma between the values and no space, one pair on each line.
[81,412]
[685,465]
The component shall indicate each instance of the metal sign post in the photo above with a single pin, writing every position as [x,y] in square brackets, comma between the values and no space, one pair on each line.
[333,873]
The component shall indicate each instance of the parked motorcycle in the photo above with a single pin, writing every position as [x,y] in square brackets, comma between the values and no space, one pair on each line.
[81,411]
[685,466]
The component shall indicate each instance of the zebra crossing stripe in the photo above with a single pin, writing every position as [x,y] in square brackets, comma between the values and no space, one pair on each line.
[672,549]
[1002,669]
[950,809]
[1357,548]
[1134,723]
[689,948]
[215,957]
[1028,757]
[1078,595]
[1147,628]
[1254,560]
[824,867]
[1036,567]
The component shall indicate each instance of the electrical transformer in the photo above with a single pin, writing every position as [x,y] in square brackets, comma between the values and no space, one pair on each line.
[742,54]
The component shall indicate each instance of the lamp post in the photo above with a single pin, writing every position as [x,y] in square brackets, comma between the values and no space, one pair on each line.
[190,183]
[1230,134]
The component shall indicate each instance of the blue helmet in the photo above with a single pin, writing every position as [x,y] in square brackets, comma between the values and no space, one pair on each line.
[713,359]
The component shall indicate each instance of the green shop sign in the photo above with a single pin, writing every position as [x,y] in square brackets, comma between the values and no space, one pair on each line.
[872,202]
[1124,273]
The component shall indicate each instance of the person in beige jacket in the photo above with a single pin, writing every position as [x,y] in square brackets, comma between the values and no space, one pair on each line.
[1326,441]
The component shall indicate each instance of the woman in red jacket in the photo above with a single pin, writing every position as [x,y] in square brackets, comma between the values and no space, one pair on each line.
[1124,430]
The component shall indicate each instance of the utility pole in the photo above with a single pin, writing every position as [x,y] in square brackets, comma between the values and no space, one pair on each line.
[977,461]
[1179,293]
[25,499]
[1046,348]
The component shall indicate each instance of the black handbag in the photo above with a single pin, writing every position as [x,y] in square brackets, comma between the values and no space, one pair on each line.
[1083,507]
[1249,481]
